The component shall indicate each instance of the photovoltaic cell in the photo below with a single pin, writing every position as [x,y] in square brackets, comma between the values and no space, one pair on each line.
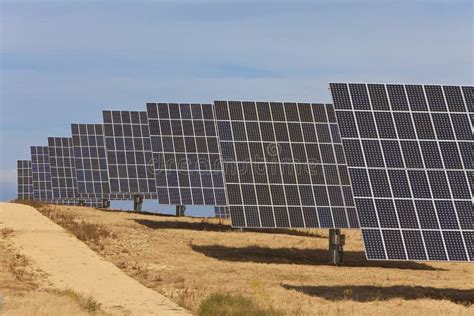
[284,165]
[25,180]
[42,187]
[91,162]
[128,150]
[413,182]
[186,154]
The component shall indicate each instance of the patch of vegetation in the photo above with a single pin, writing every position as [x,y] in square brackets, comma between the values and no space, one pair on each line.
[88,231]
[34,204]
[18,267]
[81,229]
[5,232]
[87,303]
[233,305]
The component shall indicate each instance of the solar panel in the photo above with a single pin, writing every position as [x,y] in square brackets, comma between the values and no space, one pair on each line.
[42,187]
[128,149]
[186,153]
[409,152]
[63,171]
[221,212]
[25,180]
[91,162]
[284,165]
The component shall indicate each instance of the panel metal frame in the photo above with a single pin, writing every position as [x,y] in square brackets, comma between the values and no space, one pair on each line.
[303,214]
[24,180]
[422,102]
[42,186]
[91,163]
[192,126]
[117,149]
[62,168]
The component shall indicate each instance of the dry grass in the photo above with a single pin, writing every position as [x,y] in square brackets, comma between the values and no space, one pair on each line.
[37,205]
[233,305]
[44,303]
[88,303]
[83,230]
[23,288]
[189,260]
[19,268]
[5,232]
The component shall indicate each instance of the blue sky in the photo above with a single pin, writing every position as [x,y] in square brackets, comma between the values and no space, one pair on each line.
[64,62]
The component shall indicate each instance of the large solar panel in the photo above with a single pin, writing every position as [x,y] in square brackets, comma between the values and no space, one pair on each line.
[409,151]
[284,165]
[42,187]
[128,149]
[62,167]
[25,180]
[186,153]
[91,162]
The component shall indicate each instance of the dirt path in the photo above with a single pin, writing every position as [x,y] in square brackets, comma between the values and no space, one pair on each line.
[71,264]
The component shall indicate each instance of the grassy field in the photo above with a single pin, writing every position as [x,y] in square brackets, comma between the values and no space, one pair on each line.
[199,263]
[25,290]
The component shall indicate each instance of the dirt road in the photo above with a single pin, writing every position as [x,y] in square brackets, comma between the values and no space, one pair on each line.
[71,264]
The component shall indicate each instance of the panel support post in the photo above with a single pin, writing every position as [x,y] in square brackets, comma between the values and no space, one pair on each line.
[82,203]
[137,202]
[180,209]
[336,244]
[105,203]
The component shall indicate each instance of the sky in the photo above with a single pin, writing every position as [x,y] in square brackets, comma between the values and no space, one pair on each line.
[64,62]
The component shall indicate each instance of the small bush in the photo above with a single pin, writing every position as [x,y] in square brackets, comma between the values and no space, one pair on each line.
[233,305]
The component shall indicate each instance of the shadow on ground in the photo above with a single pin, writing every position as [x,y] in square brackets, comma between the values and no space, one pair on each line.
[376,293]
[218,227]
[300,256]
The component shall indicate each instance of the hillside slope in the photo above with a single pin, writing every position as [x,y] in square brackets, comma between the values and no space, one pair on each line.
[70,264]
[186,259]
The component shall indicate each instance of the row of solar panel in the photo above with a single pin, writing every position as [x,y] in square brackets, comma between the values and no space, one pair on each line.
[284,164]
[126,172]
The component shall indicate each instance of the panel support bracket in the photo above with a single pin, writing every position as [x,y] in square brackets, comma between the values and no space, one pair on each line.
[105,203]
[180,210]
[137,202]
[336,244]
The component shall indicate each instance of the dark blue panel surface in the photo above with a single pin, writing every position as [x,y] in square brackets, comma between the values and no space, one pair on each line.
[425,135]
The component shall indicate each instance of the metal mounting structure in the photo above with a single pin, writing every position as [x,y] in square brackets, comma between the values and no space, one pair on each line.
[336,244]
[105,203]
[180,210]
[137,202]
